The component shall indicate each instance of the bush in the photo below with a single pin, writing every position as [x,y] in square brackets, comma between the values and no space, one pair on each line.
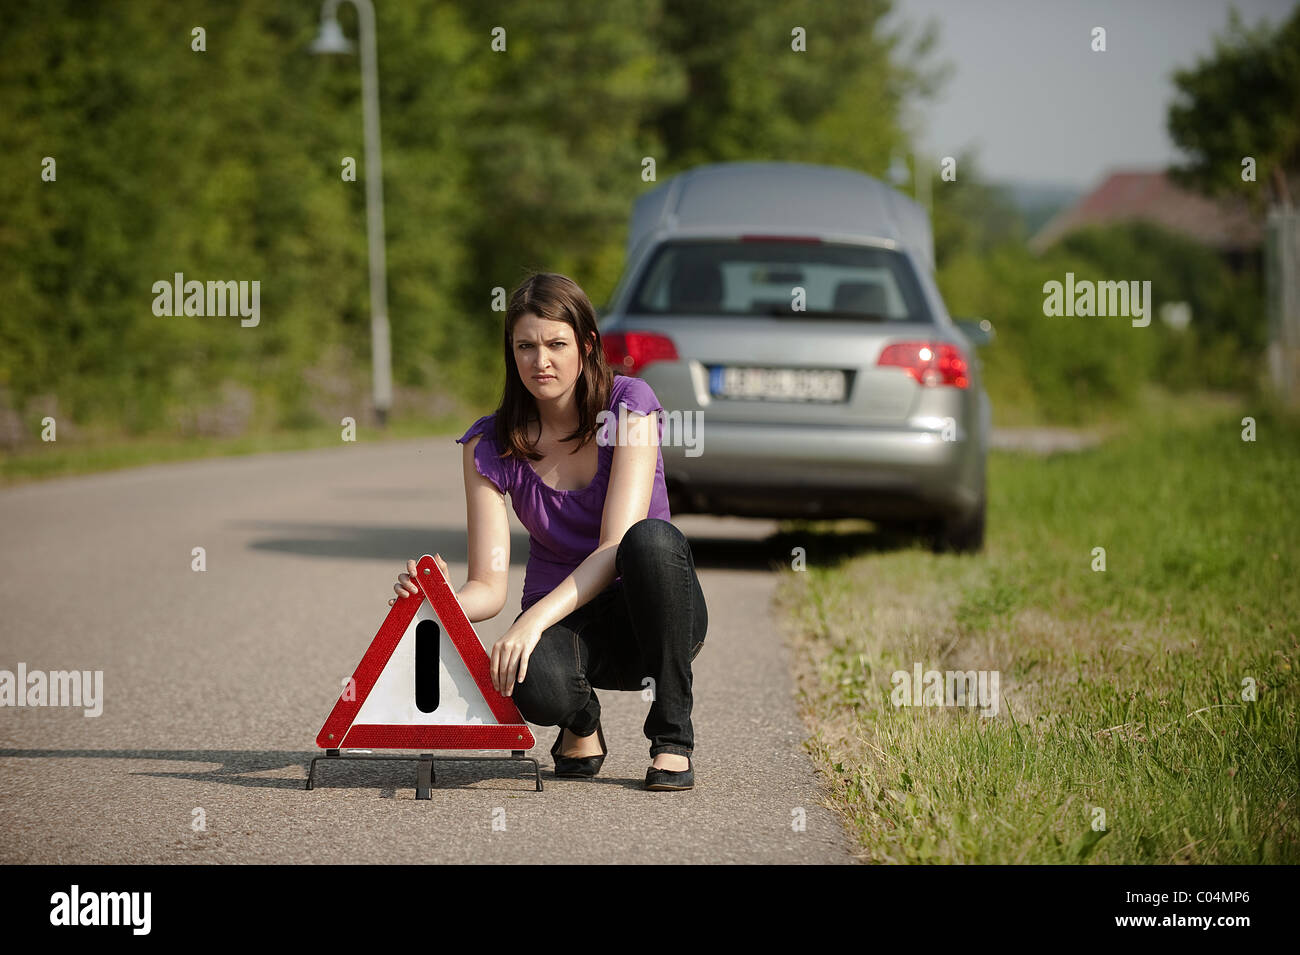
[1073,370]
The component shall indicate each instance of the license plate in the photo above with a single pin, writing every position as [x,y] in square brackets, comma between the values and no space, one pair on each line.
[777,384]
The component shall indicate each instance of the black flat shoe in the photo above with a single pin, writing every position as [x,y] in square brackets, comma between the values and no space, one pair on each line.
[579,766]
[667,780]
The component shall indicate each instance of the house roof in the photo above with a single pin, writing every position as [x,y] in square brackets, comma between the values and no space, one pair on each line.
[1147,196]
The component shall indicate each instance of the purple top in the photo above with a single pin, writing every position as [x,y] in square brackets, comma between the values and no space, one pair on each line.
[564,526]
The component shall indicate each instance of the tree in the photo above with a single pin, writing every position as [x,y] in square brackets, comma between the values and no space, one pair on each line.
[750,95]
[514,135]
[1244,101]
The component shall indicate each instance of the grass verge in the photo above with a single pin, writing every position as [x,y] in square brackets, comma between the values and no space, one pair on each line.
[1124,731]
[114,452]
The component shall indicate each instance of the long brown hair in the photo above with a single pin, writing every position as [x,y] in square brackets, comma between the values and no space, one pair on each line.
[557,298]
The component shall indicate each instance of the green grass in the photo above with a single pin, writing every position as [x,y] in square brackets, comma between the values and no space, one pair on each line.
[1121,690]
[113,451]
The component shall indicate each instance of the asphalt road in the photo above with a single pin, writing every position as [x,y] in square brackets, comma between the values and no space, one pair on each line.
[215,683]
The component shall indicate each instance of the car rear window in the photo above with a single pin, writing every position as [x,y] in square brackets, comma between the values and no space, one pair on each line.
[738,277]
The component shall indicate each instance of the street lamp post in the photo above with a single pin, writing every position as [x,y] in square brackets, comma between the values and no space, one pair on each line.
[899,173]
[331,40]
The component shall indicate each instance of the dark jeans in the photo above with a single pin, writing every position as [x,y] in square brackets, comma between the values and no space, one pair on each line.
[647,626]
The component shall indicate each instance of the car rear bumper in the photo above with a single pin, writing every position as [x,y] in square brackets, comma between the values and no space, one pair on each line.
[791,471]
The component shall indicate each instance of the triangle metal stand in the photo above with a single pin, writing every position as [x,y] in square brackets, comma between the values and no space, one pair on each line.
[425,777]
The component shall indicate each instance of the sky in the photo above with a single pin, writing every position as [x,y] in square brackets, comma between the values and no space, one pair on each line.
[1029,96]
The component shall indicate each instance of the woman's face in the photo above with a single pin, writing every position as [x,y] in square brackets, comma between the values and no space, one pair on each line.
[543,347]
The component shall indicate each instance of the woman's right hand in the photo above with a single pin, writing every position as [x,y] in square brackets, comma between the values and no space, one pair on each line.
[406,586]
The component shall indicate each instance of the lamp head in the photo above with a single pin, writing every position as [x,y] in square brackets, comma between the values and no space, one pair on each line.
[331,38]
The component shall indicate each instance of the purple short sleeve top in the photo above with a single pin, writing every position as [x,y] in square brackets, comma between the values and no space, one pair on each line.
[564,526]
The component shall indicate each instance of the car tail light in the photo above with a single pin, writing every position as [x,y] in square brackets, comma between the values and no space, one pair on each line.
[629,352]
[930,363]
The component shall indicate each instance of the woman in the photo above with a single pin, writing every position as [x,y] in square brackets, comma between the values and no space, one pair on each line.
[611,598]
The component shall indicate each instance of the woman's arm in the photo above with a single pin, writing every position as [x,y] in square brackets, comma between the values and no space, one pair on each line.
[627,500]
[488,531]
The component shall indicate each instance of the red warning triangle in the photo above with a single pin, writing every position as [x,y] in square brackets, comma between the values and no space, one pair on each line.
[425,683]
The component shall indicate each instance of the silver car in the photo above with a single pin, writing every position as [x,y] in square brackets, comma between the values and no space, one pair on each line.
[790,312]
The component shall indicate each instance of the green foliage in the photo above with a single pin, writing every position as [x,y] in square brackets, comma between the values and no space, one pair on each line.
[747,99]
[225,165]
[1229,326]
[1121,690]
[1039,368]
[1180,270]
[971,216]
[1042,368]
[1079,369]
[1243,101]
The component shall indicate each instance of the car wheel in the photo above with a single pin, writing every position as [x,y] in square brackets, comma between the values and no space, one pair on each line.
[962,535]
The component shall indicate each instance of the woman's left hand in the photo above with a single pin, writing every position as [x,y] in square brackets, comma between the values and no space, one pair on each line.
[510,655]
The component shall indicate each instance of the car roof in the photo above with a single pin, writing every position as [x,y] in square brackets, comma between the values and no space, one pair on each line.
[787,198]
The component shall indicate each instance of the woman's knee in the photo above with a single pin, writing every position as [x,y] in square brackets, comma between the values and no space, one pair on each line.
[552,688]
[651,538]
[539,705]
